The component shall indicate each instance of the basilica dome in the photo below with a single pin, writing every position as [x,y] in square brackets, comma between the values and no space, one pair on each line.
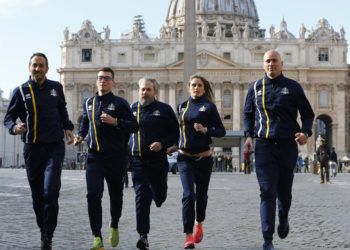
[224,16]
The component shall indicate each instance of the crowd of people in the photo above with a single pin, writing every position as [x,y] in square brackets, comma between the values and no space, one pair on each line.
[139,137]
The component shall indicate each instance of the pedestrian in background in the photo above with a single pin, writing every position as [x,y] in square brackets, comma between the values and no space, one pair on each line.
[323,154]
[334,162]
[107,120]
[158,131]
[43,122]
[199,121]
[270,115]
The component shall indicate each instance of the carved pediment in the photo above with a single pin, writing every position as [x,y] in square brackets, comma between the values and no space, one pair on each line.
[207,59]
[87,34]
[324,32]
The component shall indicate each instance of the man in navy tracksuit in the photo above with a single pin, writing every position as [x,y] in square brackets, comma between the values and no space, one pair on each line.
[158,131]
[107,120]
[270,115]
[41,108]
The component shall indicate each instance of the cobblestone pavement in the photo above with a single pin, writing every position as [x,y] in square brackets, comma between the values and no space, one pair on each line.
[320,215]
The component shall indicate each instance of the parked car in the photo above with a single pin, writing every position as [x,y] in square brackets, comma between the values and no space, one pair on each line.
[173,163]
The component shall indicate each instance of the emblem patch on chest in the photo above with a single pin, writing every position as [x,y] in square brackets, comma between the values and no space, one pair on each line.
[89,107]
[156,113]
[111,106]
[28,96]
[285,91]
[202,109]
[53,92]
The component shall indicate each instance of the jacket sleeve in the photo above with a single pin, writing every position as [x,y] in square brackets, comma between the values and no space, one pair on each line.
[84,123]
[306,113]
[14,111]
[172,126]
[66,123]
[216,128]
[249,113]
[127,120]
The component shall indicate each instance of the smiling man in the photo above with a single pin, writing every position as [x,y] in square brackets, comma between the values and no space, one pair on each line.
[270,115]
[43,121]
[107,121]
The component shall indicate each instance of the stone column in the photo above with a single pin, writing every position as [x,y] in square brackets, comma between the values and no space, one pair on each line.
[161,92]
[236,116]
[135,92]
[217,93]
[71,94]
[172,95]
[340,108]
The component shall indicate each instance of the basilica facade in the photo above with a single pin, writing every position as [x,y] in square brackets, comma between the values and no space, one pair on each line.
[230,49]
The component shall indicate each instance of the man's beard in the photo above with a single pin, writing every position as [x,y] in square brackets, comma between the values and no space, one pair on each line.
[38,77]
[146,101]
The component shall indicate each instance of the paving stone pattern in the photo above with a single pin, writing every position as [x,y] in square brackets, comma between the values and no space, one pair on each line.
[319,218]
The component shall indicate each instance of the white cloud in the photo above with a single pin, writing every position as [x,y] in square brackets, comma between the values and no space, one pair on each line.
[7,7]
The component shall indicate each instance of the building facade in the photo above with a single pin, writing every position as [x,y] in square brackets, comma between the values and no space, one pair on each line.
[11,147]
[230,49]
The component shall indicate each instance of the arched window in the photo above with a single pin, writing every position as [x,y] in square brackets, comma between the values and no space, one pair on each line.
[121,93]
[227,98]
[323,99]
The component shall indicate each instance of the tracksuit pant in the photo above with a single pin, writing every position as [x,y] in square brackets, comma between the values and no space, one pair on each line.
[149,178]
[275,161]
[43,164]
[195,175]
[100,167]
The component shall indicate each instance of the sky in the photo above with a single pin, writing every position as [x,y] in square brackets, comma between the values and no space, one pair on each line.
[28,26]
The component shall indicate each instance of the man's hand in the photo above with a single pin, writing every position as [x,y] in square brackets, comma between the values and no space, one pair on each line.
[248,145]
[106,118]
[301,138]
[20,128]
[170,150]
[69,136]
[78,140]
[155,146]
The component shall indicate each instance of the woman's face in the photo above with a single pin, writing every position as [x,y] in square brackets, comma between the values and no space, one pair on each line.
[196,88]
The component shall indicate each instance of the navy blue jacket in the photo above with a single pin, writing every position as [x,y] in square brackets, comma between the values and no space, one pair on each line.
[158,123]
[102,137]
[43,109]
[271,109]
[199,110]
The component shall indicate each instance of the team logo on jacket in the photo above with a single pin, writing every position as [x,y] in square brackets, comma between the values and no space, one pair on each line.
[259,93]
[89,107]
[285,91]
[156,113]
[53,92]
[202,109]
[28,96]
[111,107]
[134,113]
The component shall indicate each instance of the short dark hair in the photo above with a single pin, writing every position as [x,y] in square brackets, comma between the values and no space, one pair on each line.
[107,69]
[41,55]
